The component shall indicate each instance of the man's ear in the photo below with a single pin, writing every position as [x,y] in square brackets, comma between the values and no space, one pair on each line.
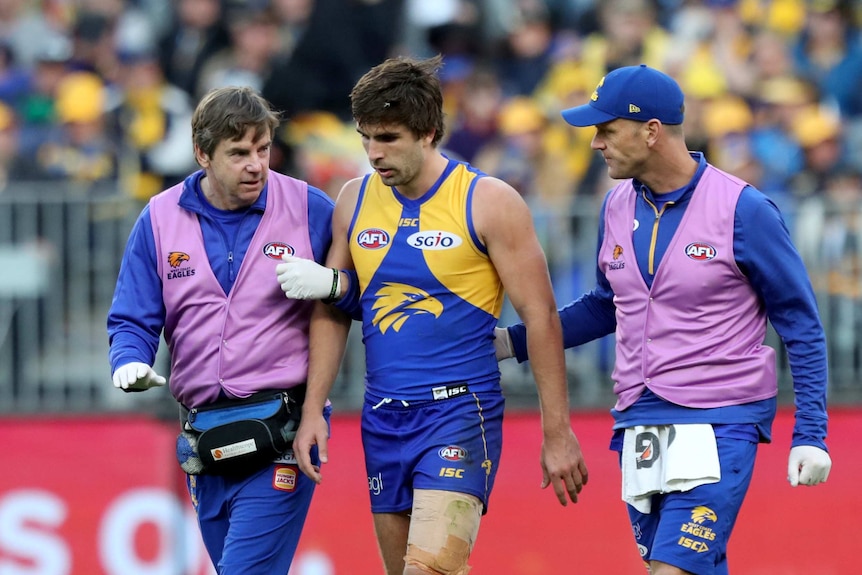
[201,158]
[654,130]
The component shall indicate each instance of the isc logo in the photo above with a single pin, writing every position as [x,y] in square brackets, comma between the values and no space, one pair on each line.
[699,251]
[452,453]
[274,250]
[698,546]
[433,240]
[451,472]
[372,239]
[447,391]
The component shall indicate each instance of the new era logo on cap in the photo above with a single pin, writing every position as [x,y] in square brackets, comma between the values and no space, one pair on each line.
[637,93]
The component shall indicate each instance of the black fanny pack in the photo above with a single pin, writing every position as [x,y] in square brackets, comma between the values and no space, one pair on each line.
[239,436]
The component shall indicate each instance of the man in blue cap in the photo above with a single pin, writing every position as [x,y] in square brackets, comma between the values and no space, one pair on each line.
[691,264]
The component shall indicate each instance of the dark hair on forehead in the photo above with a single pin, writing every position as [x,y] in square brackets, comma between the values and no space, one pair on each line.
[226,114]
[403,91]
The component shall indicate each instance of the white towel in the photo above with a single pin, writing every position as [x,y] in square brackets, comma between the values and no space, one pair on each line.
[667,458]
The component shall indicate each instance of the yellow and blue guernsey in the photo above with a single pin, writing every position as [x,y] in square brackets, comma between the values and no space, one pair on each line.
[429,293]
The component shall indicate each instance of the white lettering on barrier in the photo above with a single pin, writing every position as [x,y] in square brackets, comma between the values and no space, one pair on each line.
[178,537]
[30,544]
[27,544]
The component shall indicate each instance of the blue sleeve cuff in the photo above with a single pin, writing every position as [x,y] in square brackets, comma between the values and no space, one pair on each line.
[349,302]
[518,333]
[809,431]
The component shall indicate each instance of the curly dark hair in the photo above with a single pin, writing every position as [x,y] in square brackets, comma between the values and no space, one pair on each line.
[403,91]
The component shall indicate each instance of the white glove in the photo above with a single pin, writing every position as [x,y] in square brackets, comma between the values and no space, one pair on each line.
[137,376]
[808,465]
[503,343]
[306,279]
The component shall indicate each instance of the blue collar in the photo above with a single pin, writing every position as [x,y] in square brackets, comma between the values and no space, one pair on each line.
[678,195]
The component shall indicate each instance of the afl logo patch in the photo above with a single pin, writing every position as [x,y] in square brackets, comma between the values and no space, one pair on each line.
[274,250]
[372,239]
[452,453]
[700,251]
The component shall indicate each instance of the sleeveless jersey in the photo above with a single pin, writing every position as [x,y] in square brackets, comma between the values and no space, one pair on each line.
[429,293]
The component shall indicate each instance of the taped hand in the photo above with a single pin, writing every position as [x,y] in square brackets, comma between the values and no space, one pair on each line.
[137,376]
[808,465]
[306,279]
[503,343]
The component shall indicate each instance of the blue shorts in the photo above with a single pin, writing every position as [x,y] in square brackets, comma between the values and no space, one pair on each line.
[690,529]
[451,444]
[251,525]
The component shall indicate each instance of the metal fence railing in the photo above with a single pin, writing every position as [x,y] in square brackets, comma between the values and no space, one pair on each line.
[60,250]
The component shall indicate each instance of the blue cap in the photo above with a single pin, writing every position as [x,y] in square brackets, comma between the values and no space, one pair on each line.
[637,93]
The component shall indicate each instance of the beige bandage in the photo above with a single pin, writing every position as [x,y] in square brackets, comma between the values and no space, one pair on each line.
[443,529]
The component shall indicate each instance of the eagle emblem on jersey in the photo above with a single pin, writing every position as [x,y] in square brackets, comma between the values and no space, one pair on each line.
[701,513]
[397,302]
[176,258]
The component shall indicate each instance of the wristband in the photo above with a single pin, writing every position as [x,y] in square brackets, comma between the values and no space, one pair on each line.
[336,283]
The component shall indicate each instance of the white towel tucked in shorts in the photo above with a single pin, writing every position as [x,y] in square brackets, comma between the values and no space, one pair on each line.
[667,458]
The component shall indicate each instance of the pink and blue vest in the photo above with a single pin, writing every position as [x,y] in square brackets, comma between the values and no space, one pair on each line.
[252,339]
[696,337]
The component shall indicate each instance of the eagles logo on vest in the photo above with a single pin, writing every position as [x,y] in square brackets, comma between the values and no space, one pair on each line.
[175,260]
[616,264]
[397,302]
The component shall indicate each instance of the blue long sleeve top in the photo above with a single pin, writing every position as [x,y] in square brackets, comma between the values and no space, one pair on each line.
[765,253]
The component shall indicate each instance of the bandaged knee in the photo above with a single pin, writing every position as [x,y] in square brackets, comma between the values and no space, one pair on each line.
[443,529]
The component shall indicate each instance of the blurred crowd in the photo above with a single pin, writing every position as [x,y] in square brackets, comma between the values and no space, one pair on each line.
[100,92]
[96,97]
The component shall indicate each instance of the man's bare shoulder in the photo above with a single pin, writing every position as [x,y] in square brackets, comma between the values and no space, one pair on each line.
[494,187]
[349,191]
[493,195]
[497,206]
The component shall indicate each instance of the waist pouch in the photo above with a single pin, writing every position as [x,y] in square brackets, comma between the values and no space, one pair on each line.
[241,436]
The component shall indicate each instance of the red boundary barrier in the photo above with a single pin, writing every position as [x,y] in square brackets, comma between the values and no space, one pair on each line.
[96,496]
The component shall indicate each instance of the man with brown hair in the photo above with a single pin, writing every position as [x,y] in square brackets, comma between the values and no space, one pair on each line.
[434,243]
[198,266]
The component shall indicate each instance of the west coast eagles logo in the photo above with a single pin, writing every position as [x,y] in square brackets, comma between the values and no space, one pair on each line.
[702,513]
[177,270]
[617,263]
[176,258]
[397,302]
